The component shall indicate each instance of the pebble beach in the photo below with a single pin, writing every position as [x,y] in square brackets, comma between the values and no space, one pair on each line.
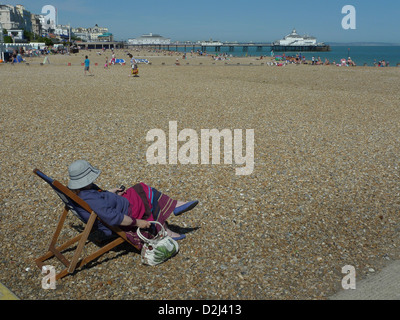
[324,192]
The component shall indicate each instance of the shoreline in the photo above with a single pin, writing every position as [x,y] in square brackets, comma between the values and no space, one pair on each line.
[206,58]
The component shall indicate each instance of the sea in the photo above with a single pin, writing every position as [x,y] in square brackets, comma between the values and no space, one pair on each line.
[361,55]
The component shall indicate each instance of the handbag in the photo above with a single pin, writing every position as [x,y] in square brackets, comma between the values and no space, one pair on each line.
[158,249]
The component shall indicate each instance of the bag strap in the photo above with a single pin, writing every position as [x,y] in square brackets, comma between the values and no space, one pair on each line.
[162,232]
[142,194]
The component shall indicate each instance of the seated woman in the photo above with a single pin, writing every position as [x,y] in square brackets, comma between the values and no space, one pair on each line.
[350,62]
[128,209]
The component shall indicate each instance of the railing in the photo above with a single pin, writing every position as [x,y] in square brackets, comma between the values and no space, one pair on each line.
[5,46]
[195,44]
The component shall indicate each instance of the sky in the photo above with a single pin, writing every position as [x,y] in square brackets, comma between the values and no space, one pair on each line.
[230,20]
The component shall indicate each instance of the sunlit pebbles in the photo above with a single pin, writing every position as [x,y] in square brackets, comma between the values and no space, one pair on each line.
[324,192]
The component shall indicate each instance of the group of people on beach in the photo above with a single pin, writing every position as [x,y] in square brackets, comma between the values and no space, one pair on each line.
[112,61]
[315,61]
[134,65]
[381,63]
[278,60]
[299,59]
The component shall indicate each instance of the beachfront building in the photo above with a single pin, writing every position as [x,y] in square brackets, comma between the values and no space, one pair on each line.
[36,24]
[149,39]
[62,31]
[107,37]
[294,39]
[81,33]
[296,42]
[15,17]
[92,34]
[97,31]
[47,26]
[211,42]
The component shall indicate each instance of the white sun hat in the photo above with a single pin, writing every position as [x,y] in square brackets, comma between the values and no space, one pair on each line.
[81,174]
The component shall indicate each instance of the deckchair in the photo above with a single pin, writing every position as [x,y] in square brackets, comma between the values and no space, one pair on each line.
[71,201]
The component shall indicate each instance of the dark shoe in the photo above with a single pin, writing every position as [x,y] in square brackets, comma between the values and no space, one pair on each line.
[185,207]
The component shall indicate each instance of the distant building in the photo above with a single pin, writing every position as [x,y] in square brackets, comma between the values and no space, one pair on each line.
[97,31]
[36,25]
[106,37]
[15,17]
[211,42]
[46,26]
[81,33]
[294,39]
[92,34]
[296,42]
[62,31]
[149,39]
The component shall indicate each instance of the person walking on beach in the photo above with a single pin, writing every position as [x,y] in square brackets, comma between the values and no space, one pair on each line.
[87,65]
[113,58]
[134,66]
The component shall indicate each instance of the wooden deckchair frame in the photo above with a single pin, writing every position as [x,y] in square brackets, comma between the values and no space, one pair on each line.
[80,239]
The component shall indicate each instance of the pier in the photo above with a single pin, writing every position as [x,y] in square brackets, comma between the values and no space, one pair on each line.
[98,45]
[279,48]
[231,46]
[188,46]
